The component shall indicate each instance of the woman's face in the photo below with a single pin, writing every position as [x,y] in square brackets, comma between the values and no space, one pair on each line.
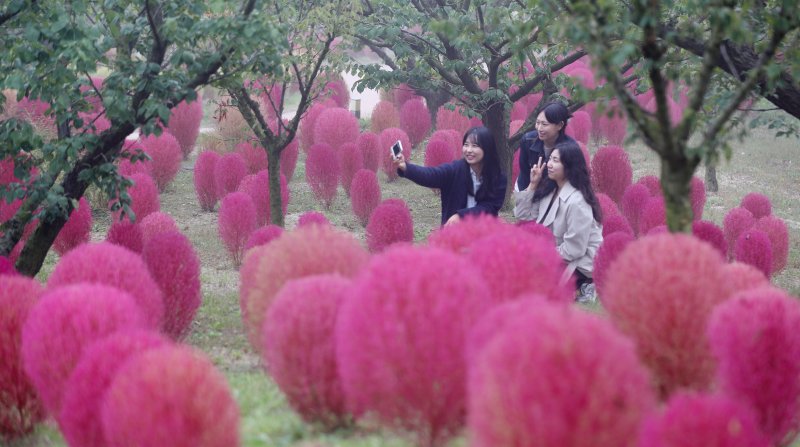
[473,153]
[548,132]
[555,170]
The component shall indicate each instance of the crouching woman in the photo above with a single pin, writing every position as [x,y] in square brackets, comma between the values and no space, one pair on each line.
[562,200]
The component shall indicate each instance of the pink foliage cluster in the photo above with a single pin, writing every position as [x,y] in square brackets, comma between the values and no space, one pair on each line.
[237,219]
[312,218]
[736,221]
[77,229]
[351,160]
[633,202]
[758,204]
[156,223]
[652,183]
[614,128]
[775,228]
[126,234]
[205,186]
[335,127]
[369,145]
[322,173]
[387,138]
[438,152]
[451,119]
[263,236]
[711,233]
[611,171]
[753,247]
[402,94]
[654,214]
[166,156]
[338,92]
[144,197]
[607,205]
[400,340]
[365,194]
[288,159]
[384,116]
[459,238]
[255,156]
[615,223]
[580,126]
[184,124]
[609,250]
[229,171]
[309,121]
[451,137]
[390,223]
[7,267]
[415,120]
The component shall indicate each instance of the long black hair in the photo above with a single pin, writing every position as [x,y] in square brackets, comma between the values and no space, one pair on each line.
[555,113]
[577,174]
[490,165]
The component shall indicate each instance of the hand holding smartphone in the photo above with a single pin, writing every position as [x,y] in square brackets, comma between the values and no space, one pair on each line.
[396,150]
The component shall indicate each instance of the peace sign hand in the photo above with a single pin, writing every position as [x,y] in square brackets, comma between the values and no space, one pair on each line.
[536,174]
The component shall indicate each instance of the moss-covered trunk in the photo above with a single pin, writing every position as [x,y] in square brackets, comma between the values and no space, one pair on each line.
[275,199]
[496,120]
[676,178]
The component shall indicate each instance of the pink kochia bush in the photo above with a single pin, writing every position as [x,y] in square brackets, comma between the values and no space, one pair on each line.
[390,223]
[7,267]
[369,145]
[778,234]
[144,196]
[633,202]
[263,236]
[306,251]
[288,159]
[153,400]
[755,339]
[580,127]
[758,204]
[156,223]
[438,152]
[76,230]
[711,233]
[654,214]
[753,247]
[126,234]
[21,407]
[175,267]
[312,218]
[237,219]
[229,171]
[736,221]
[184,124]
[254,156]
[335,127]
[609,250]
[79,419]
[611,171]
[415,120]
[458,238]
[557,377]
[62,324]
[607,205]
[299,347]
[615,224]
[400,340]
[204,181]
[351,160]
[165,153]
[451,119]
[310,120]
[660,291]
[322,173]
[691,420]
[387,138]
[384,116]
[365,194]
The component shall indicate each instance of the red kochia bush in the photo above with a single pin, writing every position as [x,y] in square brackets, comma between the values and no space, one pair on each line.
[322,173]
[778,234]
[306,251]
[126,234]
[257,187]
[237,219]
[607,205]
[711,233]
[415,120]
[697,197]
[351,160]
[614,128]
[109,264]
[299,347]
[184,123]
[758,204]
[312,218]
[400,340]
[65,321]
[144,196]
[611,171]
[255,156]
[365,194]
[537,266]
[438,152]
[309,121]
[204,183]
[369,145]
[557,377]
[384,116]
[612,246]
[451,119]
[702,420]
[76,230]
[755,339]
[228,173]
[451,137]
[753,247]
[580,127]
[458,238]
[338,91]
[402,94]
[263,236]
[390,223]
[288,159]
[654,214]
[740,277]
[156,223]
[387,138]
[335,127]
[21,407]
[7,267]
[85,389]
[736,221]
[165,153]
[175,266]
[615,224]
[652,183]
[660,291]
[153,400]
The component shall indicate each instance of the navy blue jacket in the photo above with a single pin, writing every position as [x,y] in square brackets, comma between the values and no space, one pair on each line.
[530,149]
[453,179]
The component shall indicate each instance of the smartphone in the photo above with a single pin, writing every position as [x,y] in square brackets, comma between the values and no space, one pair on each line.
[397,149]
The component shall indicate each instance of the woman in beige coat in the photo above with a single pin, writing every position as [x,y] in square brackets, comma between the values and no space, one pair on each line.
[564,202]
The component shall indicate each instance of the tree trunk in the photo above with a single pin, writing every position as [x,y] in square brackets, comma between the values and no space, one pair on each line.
[496,120]
[275,199]
[676,177]
[711,178]
[433,100]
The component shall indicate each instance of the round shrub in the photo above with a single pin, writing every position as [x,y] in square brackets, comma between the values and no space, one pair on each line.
[736,221]
[312,218]
[351,160]
[451,137]
[611,171]
[415,120]
[537,266]
[128,168]
[305,251]
[580,127]
[755,340]
[607,205]
[614,127]
[711,233]
[21,407]
[205,186]
[390,223]
[144,197]
[156,223]
[753,247]
[126,234]
[62,324]
[257,187]
[299,347]
[369,145]
[402,94]
[778,234]
[740,277]
[365,194]
[255,156]
[614,224]
[229,171]
[166,156]
[573,381]
[400,340]
[438,152]
[459,237]
[288,159]
[537,229]
[184,124]
[263,236]
[660,291]
[387,138]
[232,127]
[85,389]
[654,214]
[322,173]
[175,267]
[237,219]
[612,246]
[338,92]
[309,121]
[652,183]
[709,420]
[77,229]
[758,204]
[447,118]
[335,127]
[518,113]
[157,389]
[115,266]
[697,197]
[384,116]
[7,267]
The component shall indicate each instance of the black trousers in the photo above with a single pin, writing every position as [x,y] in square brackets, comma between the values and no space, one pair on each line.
[581,279]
